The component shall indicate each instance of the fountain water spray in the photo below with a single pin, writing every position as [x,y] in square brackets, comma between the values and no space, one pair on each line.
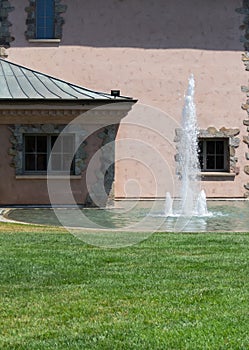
[192,199]
[168,210]
[201,207]
[188,154]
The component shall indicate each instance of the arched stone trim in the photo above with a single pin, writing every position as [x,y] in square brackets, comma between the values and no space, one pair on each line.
[31,19]
[5,36]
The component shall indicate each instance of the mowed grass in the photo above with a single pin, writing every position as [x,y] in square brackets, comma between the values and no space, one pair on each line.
[172,291]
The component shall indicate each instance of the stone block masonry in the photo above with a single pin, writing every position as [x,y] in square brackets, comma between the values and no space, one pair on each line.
[244,10]
[5,36]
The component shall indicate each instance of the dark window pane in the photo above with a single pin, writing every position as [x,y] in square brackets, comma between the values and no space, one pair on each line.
[42,162]
[210,162]
[44,19]
[201,161]
[56,162]
[200,146]
[200,153]
[219,162]
[214,154]
[210,147]
[72,167]
[41,147]
[30,162]
[49,27]
[219,147]
[41,144]
[53,139]
[56,144]
[40,6]
[29,144]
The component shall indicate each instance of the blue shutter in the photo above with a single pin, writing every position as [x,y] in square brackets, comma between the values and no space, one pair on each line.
[44,19]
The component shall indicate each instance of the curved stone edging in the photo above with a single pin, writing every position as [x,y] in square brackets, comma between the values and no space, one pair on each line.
[3,218]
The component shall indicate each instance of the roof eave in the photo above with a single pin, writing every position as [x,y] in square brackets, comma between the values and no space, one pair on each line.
[65,101]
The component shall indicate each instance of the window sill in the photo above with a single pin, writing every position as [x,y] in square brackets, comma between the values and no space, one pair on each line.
[46,41]
[46,177]
[217,174]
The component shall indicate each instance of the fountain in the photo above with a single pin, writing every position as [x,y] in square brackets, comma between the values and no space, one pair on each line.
[130,223]
[168,209]
[202,204]
[192,198]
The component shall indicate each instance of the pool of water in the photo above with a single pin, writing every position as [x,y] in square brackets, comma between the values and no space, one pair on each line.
[143,215]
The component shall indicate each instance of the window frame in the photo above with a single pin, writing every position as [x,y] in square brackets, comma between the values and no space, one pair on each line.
[226,163]
[46,34]
[48,153]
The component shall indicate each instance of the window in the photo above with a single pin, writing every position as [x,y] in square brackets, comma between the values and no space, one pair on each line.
[45,15]
[214,154]
[38,149]
[45,20]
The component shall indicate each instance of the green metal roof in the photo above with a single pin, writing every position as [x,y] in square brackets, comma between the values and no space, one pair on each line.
[21,83]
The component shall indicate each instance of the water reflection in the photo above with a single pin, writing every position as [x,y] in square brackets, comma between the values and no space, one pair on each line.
[225,216]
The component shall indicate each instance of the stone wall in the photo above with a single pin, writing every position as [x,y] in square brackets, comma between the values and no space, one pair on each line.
[244,10]
[102,191]
[31,19]
[245,89]
[5,35]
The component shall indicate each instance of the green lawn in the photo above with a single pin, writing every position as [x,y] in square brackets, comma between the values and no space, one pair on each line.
[172,291]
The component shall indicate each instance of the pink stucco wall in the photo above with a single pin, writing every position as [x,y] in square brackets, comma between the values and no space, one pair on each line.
[148,49]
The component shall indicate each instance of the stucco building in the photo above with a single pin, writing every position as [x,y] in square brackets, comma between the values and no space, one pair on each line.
[146,49]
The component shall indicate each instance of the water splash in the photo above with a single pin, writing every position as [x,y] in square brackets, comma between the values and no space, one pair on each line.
[201,206]
[168,209]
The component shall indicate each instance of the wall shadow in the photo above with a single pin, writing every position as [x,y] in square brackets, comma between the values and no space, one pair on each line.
[148,24]
[160,24]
